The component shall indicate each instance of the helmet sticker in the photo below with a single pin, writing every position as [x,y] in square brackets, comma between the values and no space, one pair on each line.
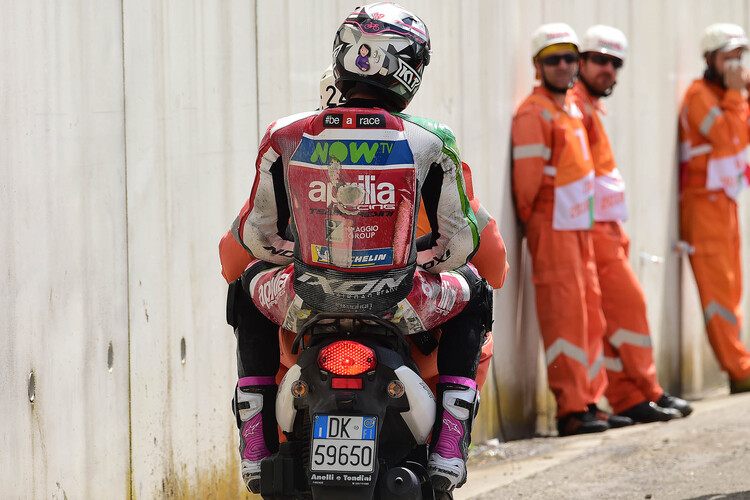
[365,58]
[362,59]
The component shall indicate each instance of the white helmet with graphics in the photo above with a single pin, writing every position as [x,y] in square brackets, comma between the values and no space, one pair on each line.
[330,96]
[723,37]
[385,48]
[605,40]
[547,35]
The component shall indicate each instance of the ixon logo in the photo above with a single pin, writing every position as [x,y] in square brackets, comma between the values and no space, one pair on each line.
[353,288]
[376,194]
[357,152]
[407,75]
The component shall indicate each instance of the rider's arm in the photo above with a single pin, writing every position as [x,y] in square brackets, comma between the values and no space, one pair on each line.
[264,227]
[455,236]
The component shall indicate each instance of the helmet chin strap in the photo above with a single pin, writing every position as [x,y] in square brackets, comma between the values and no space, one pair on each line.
[595,92]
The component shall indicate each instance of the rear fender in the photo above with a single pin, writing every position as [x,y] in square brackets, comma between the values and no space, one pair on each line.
[421,414]
[285,411]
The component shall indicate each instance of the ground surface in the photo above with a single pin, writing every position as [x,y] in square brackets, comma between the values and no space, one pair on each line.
[701,457]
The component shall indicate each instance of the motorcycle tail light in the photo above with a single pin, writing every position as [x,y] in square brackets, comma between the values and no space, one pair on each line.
[346,358]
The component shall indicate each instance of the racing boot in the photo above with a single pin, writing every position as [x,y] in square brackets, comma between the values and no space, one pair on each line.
[451,434]
[254,406]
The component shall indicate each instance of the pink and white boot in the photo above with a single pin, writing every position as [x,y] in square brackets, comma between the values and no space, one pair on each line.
[451,435]
[255,409]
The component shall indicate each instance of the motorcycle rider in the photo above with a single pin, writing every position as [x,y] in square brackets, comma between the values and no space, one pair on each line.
[332,221]
[490,262]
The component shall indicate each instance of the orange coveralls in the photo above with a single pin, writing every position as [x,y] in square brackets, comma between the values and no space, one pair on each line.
[713,136]
[490,260]
[550,160]
[628,352]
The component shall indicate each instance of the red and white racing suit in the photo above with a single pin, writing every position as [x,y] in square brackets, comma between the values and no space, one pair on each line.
[334,206]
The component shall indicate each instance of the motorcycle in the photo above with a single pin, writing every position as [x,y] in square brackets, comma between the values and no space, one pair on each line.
[355,413]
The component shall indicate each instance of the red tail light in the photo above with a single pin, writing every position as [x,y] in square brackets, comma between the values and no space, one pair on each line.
[347,358]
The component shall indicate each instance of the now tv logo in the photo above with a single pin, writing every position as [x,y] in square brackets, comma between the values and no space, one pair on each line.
[356,151]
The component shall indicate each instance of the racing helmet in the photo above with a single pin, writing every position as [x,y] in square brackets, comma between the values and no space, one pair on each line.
[385,47]
[723,37]
[605,40]
[330,96]
[551,34]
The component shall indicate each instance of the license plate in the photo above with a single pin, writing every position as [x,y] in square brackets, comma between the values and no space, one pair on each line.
[343,443]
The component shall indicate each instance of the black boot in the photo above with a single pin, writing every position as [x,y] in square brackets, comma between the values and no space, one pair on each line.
[679,404]
[614,421]
[648,411]
[738,386]
[580,423]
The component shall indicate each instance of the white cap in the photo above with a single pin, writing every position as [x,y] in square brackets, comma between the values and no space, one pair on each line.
[552,34]
[605,40]
[723,37]
[330,96]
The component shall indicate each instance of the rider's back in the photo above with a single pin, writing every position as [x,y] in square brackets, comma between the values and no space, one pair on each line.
[352,180]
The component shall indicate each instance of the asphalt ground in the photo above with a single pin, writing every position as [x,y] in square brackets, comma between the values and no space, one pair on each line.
[705,456]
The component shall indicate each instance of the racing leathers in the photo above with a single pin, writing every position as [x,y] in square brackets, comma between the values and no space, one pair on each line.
[553,184]
[490,261]
[628,352]
[713,139]
[332,221]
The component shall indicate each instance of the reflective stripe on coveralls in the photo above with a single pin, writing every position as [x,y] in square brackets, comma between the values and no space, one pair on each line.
[715,308]
[715,144]
[609,187]
[564,273]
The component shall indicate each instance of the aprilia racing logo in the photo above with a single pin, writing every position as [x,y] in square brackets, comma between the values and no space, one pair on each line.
[377,195]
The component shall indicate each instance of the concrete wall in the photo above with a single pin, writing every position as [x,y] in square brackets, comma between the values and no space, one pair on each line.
[128,136]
